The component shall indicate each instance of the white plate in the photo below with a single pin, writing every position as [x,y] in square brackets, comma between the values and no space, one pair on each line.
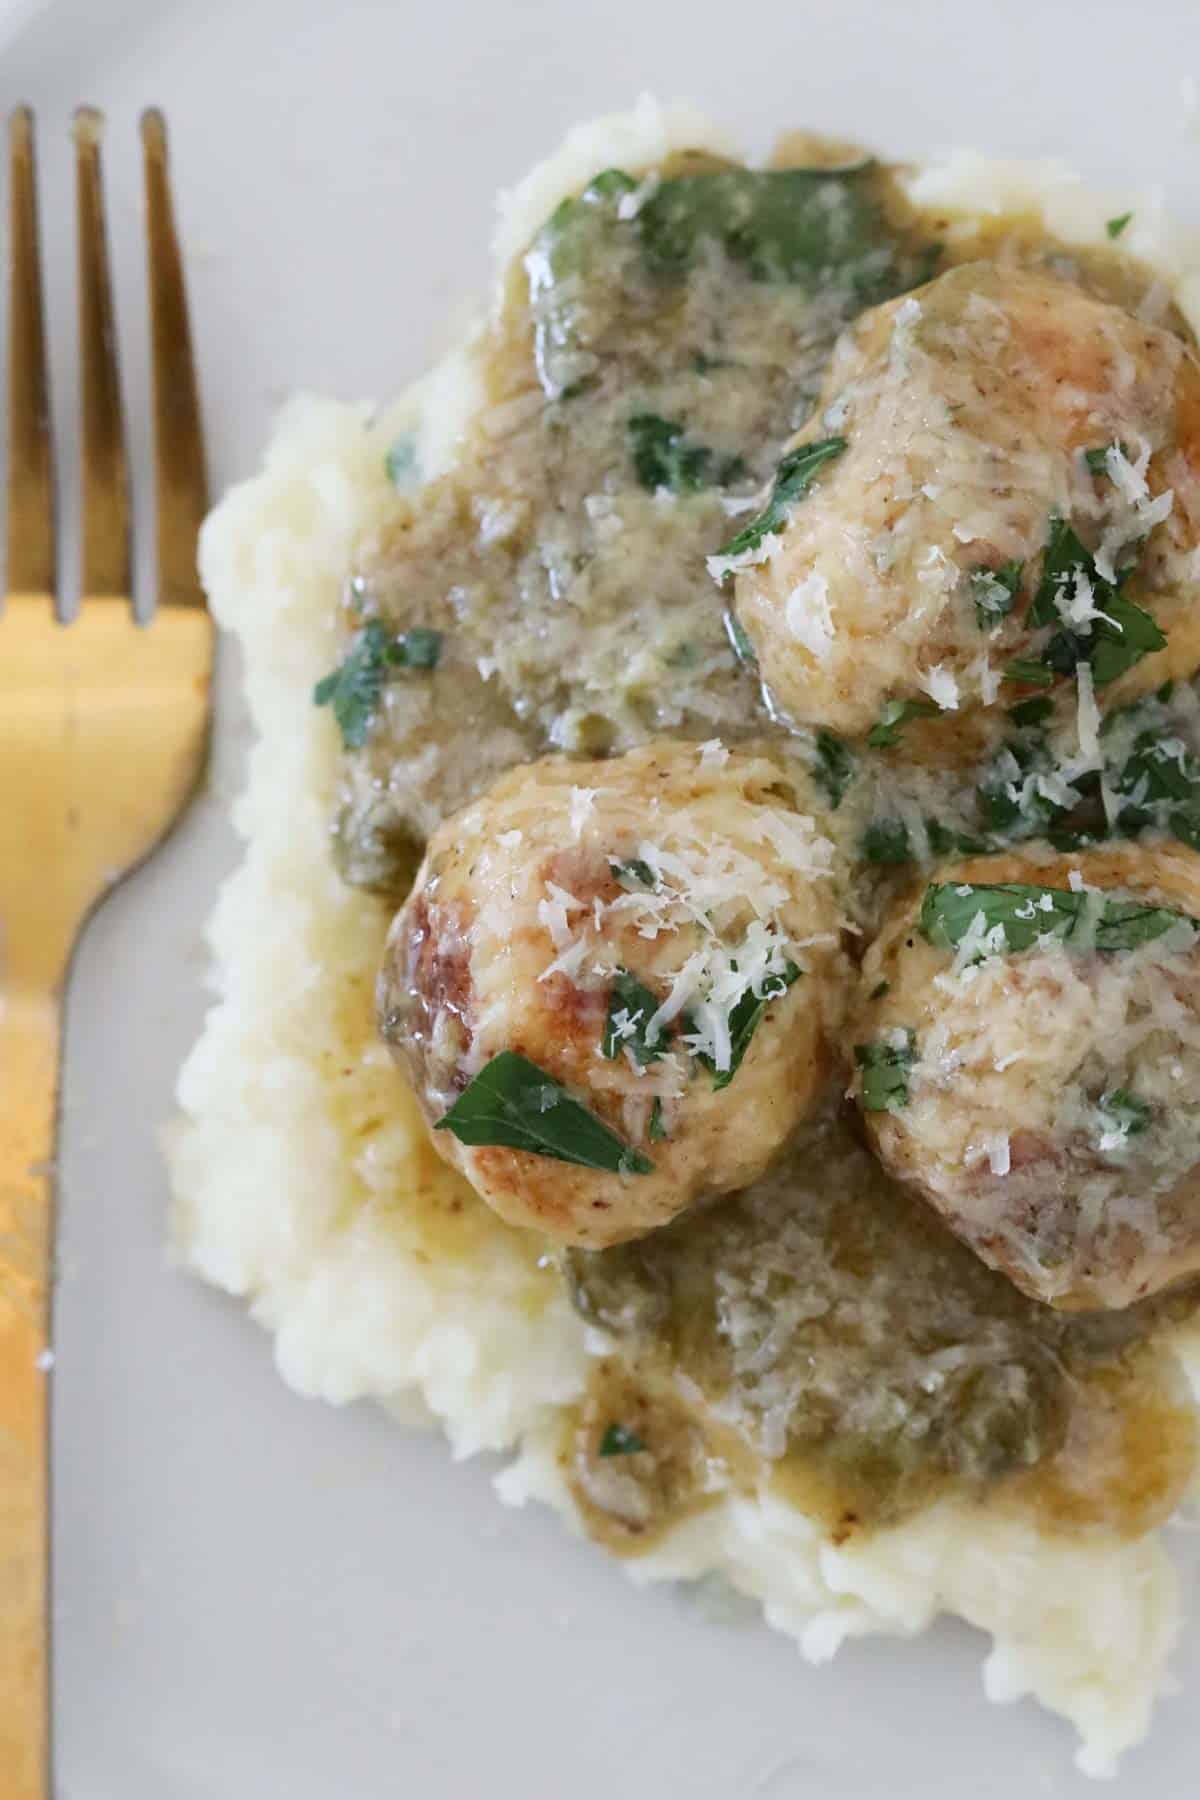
[256,1595]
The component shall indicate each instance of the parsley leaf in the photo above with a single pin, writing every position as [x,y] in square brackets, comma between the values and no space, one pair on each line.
[1116,641]
[1033,712]
[629,1005]
[1122,1111]
[809,227]
[574,244]
[417,648]
[1097,458]
[1160,780]
[894,718]
[1027,912]
[995,592]
[793,478]
[618,1440]
[887,841]
[1011,799]
[634,873]
[400,462]
[825,231]
[663,457]
[1132,634]
[1025,670]
[513,1102]
[1115,227]
[944,842]
[833,769]
[1063,558]
[1124,924]
[354,687]
[744,1022]
[885,1068]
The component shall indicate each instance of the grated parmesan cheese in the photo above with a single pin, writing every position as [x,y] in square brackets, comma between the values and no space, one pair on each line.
[554,911]
[809,618]
[1088,718]
[941,687]
[721,567]
[583,800]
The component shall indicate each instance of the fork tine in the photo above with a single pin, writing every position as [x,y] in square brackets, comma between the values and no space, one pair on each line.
[181,477]
[104,567]
[31,560]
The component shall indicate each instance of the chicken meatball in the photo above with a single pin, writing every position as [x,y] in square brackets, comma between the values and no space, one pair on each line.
[615,984]
[1000,490]
[1029,1060]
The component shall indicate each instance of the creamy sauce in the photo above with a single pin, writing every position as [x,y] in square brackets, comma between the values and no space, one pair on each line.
[566,518]
[438,1216]
[858,1358]
[820,1334]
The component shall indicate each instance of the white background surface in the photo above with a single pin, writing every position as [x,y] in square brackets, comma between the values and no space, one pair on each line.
[258,1596]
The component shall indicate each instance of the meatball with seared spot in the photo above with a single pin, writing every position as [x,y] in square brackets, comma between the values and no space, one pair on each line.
[1029,1060]
[615,985]
[1009,463]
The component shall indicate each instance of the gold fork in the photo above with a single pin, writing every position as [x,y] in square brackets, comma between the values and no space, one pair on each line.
[103,730]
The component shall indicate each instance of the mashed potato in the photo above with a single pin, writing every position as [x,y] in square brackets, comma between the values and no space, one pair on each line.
[303,1184]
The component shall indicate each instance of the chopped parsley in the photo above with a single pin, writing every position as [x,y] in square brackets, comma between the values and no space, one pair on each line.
[618,1440]
[809,227]
[630,1009]
[663,457]
[884,1069]
[1031,713]
[944,842]
[879,990]
[1097,458]
[1115,227]
[833,768]
[578,238]
[1063,558]
[1018,794]
[1159,787]
[887,841]
[417,648]
[656,1131]
[634,873]
[1033,674]
[1025,913]
[894,717]
[995,592]
[1124,1112]
[1118,634]
[744,1021]
[1132,634]
[400,462]
[823,231]
[793,478]
[514,1103]
[354,687]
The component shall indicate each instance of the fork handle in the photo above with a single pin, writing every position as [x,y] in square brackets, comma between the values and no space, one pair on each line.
[29,1045]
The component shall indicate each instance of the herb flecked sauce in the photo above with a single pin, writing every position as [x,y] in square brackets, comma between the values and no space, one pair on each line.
[821,1334]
